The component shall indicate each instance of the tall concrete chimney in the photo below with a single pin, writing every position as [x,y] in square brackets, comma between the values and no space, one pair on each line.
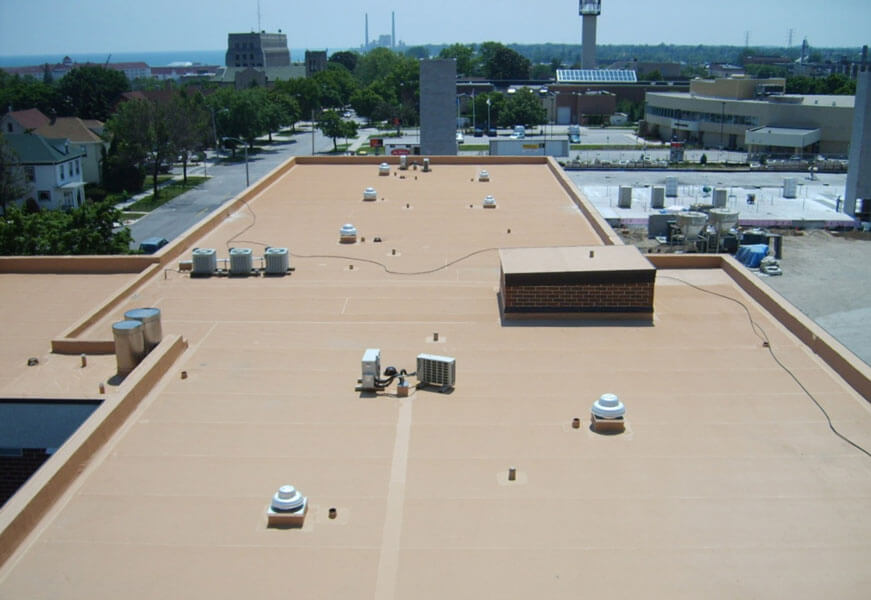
[859,166]
[589,11]
[393,29]
[366,34]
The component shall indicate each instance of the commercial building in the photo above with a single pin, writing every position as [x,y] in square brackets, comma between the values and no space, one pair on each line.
[257,50]
[726,481]
[315,61]
[754,115]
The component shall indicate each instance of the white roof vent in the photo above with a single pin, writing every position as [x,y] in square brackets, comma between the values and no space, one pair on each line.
[384,169]
[370,194]
[483,175]
[288,499]
[348,234]
[608,406]
[288,507]
[489,202]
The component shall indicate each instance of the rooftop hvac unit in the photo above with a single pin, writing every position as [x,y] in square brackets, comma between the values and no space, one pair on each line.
[371,369]
[241,261]
[205,261]
[671,187]
[624,199]
[436,370]
[720,197]
[277,261]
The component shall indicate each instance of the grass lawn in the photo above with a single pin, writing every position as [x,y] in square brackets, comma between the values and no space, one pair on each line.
[473,147]
[606,147]
[149,180]
[127,216]
[166,194]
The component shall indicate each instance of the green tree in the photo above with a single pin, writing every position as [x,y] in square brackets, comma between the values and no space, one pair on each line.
[418,52]
[332,125]
[21,93]
[375,64]
[522,108]
[91,92]
[501,62]
[365,101]
[336,86]
[128,131]
[305,91]
[12,185]
[345,58]
[88,229]
[465,57]
[188,125]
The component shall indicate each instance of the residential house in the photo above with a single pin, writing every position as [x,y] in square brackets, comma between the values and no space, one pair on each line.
[52,170]
[83,137]
[22,121]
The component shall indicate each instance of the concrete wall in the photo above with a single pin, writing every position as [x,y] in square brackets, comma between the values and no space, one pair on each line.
[859,171]
[438,127]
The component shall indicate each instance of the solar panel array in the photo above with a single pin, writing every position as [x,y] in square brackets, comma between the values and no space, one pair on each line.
[595,76]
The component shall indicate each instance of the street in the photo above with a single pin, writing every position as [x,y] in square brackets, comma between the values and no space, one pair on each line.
[226,180]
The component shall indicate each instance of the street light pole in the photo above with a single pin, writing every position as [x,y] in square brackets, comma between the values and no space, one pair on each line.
[313,132]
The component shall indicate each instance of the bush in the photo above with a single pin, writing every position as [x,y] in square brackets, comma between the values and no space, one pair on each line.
[704,159]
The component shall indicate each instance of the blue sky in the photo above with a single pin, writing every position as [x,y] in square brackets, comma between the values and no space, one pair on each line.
[67,26]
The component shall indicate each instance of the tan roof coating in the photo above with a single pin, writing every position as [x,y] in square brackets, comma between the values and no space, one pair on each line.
[573,259]
[726,484]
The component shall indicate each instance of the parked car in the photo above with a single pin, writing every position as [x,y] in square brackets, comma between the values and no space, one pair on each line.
[519,132]
[152,244]
[479,132]
[460,138]
[492,132]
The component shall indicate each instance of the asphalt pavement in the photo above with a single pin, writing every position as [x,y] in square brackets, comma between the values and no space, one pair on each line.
[225,181]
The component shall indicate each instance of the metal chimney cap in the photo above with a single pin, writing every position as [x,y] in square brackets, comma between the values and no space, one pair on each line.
[608,406]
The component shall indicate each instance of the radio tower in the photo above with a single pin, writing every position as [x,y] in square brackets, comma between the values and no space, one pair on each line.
[589,11]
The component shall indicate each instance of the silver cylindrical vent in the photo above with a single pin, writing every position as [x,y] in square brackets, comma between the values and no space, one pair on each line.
[129,345]
[152,331]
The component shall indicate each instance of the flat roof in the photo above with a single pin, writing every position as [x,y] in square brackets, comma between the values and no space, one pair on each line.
[726,483]
[573,259]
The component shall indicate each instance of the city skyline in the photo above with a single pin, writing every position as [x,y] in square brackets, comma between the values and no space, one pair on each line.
[184,25]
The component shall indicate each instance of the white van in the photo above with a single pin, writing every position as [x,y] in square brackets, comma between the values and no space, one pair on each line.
[519,132]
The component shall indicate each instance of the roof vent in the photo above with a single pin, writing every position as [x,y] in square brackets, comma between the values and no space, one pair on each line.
[151,329]
[483,175]
[205,262]
[607,414]
[384,169]
[489,202]
[241,261]
[348,234]
[288,507]
[370,194]
[277,261]
[403,162]
[426,165]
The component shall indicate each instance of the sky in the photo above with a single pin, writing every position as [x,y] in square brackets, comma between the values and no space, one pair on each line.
[80,26]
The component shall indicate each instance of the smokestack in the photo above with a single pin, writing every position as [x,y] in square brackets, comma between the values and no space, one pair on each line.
[366,43]
[589,11]
[392,29]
